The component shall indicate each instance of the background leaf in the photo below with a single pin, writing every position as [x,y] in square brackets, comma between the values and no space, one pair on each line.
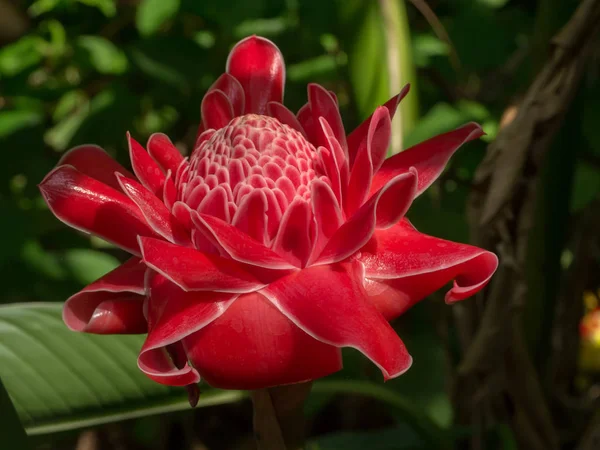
[152,14]
[60,380]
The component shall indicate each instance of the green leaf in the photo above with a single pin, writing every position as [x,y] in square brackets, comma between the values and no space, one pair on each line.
[371,48]
[88,265]
[107,7]
[26,52]
[402,406]
[104,56]
[11,430]
[152,14]
[61,380]
[13,121]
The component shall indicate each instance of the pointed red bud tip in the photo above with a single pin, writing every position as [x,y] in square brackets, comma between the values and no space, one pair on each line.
[193,394]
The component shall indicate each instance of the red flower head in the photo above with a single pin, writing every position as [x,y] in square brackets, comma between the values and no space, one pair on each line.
[280,240]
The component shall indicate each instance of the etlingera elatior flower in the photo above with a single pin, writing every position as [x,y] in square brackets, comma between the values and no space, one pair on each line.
[278,242]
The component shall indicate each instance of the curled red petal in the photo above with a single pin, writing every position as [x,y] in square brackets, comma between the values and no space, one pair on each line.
[162,150]
[407,265]
[382,210]
[172,315]
[155,212]
[233,90]
[429,157]
[94,162]
[258,65]
[330,304]
[358,135]
[112,304]
[146,169]
[86,204]
[216,109]
[196,271]
[264,348]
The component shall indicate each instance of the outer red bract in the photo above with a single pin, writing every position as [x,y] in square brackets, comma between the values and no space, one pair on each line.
[278,242]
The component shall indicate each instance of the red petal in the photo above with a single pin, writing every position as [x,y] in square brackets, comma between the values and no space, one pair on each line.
[251,216]
[429,157]
[305,118]
[285,116]
[253,346]
[172,315]
[88,205]
[196,271]
[162,150]
[330,304]
[145,168]
[370,156]
[383,210]
[216,110]
[94,162]
[322,104]
[258,65]
[155,212]
[413,265]
[233,90]
[112,304]
[293,240]
[327,213]
[238,244]
[215,204]
[358,135]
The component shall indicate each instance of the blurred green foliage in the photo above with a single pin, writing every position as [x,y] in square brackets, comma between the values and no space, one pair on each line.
[88,71]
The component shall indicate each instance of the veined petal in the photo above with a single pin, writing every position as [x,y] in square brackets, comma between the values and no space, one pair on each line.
[258,65]
[358,135]
[382,210]
[192,270]
[162,150]
[216,109]
[330,304]
[233,90]
[429,157]
[408,265]
[155,212]
[145,168]
[94,162]
[238,244]
[263,348]
[112,304]
[86,204]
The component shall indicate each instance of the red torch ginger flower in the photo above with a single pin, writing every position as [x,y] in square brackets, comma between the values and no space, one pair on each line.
[278,242]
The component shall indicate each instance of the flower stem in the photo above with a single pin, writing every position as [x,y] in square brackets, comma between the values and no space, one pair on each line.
[278,416]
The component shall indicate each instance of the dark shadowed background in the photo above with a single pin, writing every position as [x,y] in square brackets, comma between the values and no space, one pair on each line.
[506,370]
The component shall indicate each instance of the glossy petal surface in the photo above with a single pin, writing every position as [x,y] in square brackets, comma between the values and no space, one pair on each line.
[253,345]
[111,305]
[401,262]
[339,313]
[258,65]
[88,205]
